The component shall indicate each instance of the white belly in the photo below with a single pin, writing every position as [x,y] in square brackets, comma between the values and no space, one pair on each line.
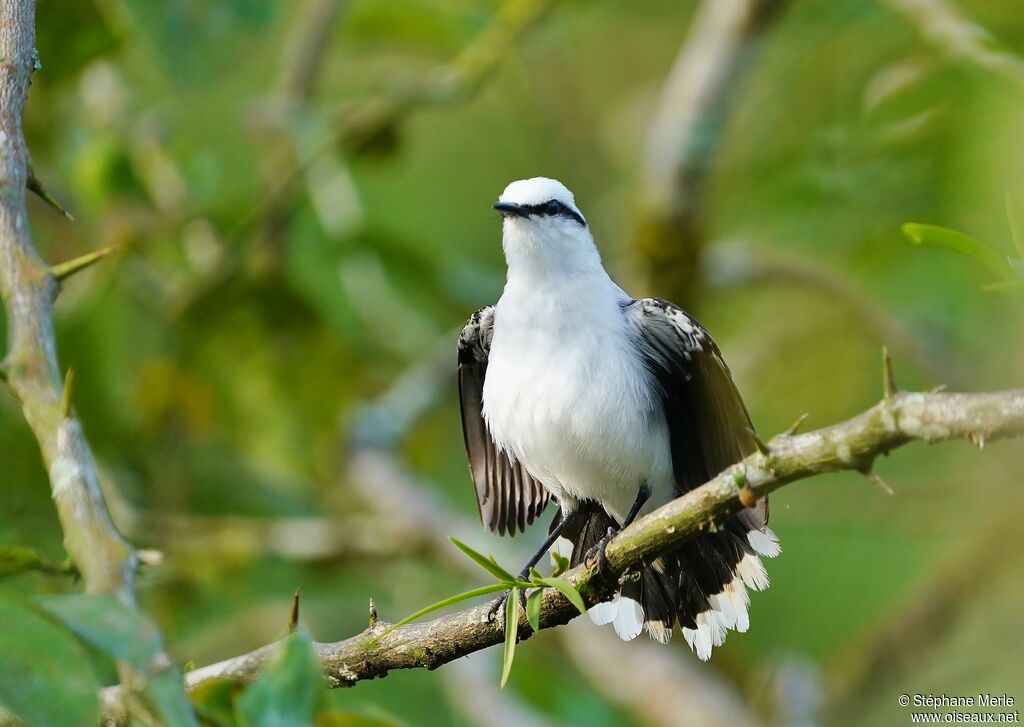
[567,395]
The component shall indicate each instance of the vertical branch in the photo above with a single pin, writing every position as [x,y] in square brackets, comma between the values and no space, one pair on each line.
[28,288]
[305,48]
[687,126]
[301,64]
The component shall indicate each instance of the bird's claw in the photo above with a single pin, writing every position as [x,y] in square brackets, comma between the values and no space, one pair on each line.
[597,552]
[496,610]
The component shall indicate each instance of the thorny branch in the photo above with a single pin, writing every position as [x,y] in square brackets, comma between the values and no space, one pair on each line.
[851,445]
[28,288]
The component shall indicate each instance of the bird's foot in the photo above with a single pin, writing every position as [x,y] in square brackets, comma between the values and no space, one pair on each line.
[496,609]
[597,552]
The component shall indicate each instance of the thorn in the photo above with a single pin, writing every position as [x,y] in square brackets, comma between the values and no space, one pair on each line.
[293,617]
[874,477]
[65,397]
[34,185]
[937,389]
[373,613]
[761,446]
[65,270]
[978,440]
[888,382]
[795,426]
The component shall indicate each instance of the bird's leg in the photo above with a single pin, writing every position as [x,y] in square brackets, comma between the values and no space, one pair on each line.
[642,496]
[498,604]
[641,499]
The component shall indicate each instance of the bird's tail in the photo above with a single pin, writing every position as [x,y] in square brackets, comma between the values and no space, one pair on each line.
[701,586]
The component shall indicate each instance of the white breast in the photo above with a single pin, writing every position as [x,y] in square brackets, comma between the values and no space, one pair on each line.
[567,394]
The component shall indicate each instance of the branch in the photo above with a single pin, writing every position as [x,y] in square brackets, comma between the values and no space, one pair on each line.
[953,33]
[850,445]
[690,120]
[472,686]
[28,289]
[374,122]
[301,65]
[899,643]
[305,49]
[658,686]
[732,266]
[458,81]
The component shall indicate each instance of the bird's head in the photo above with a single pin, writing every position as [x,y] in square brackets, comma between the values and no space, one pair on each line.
[543,227]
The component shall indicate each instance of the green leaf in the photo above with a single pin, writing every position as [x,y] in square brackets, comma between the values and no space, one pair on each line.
[935,236]
[166,693]
[568,590]
[45,675]
[561,563]
[1003,286]
[289,690]
[18,559]
[129,636]
[109,625]
[483,590]
[214,701]
[533,604]
[1015,212]
[488,564]
[511,632]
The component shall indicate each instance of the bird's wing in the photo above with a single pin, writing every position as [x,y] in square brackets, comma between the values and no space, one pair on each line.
[709,426]
[508,497]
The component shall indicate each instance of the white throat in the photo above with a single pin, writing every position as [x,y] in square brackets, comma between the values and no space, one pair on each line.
[546,251]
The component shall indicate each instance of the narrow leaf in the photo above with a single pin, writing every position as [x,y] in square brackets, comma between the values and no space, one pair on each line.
[511,632]
[1015,211]
[935,236]
[1003,286]
[483,590]
[107,624]
[16,559]
[533,604]
[561,563]
[127,635]
[568,590]
[45,674]
[289,690]
[488,564]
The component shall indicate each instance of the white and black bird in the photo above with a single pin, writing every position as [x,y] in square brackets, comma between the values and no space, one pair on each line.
[574,391]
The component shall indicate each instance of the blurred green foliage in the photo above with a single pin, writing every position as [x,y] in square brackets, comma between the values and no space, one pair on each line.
[222,360]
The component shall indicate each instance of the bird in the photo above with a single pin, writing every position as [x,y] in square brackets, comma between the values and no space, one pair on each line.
[575,392]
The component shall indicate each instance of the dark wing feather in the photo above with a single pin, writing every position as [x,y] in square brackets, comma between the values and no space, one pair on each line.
[508,497]
[708,423]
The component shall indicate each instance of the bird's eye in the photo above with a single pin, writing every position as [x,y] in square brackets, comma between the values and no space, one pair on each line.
[552,208]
